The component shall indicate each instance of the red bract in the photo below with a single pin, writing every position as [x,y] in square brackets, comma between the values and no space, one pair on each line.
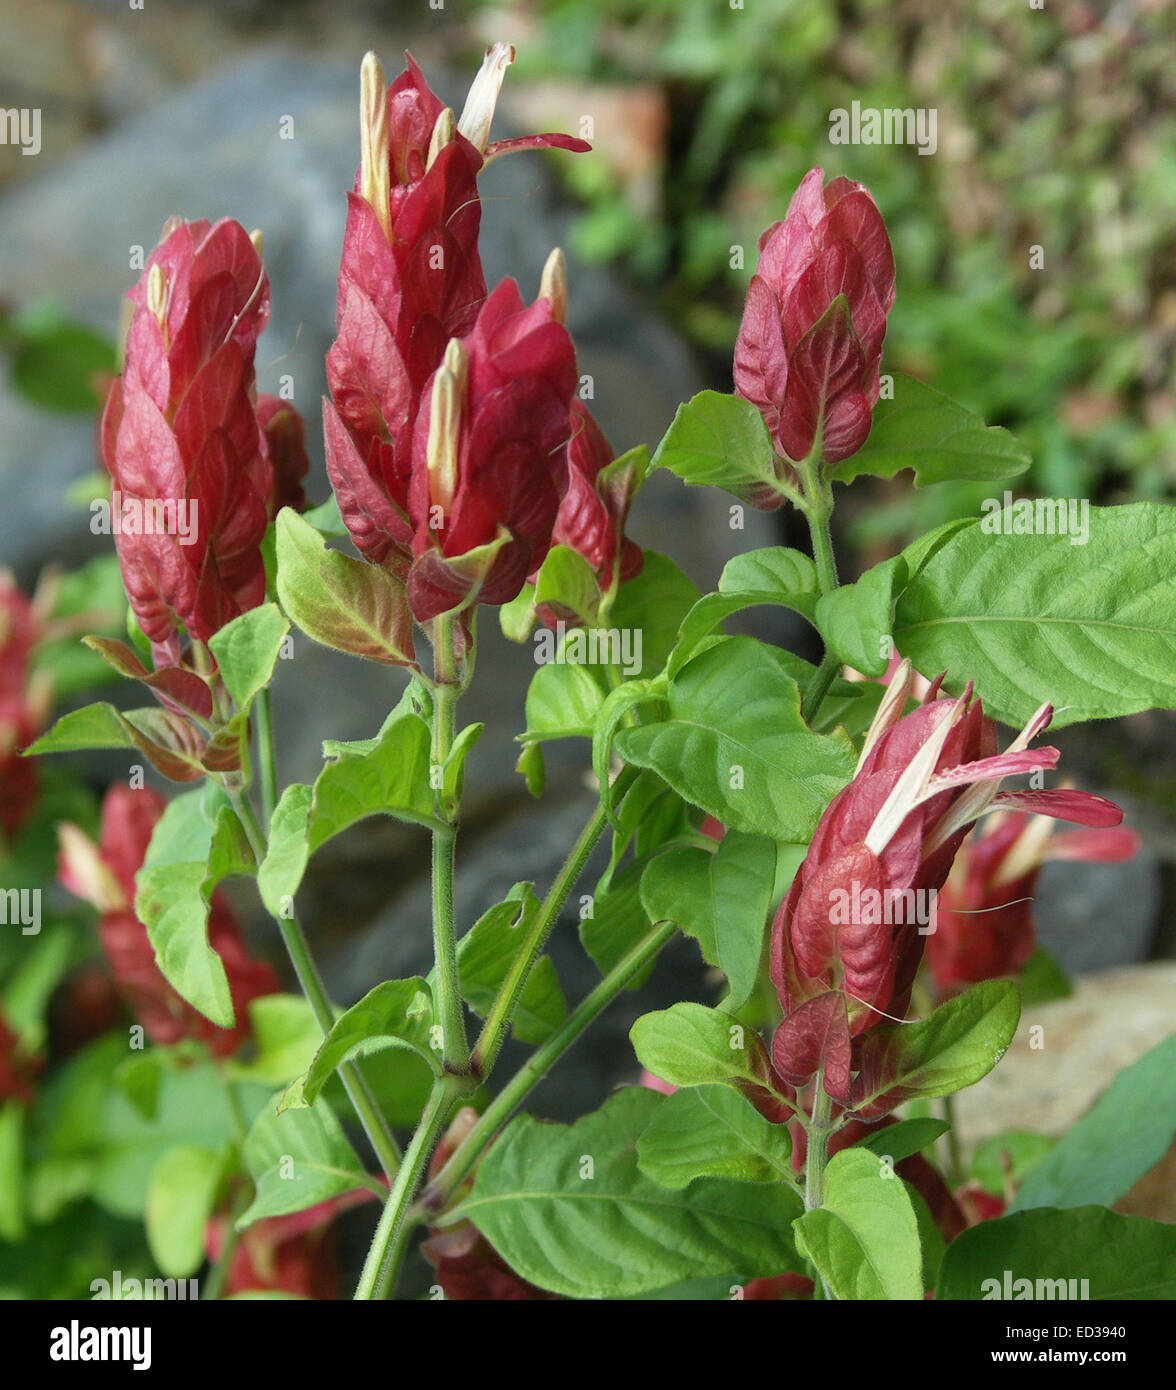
[984,922]
[848,939]
[592,514]
[190,463]
[410,279]
[810,344]
[285,438]
[104,875]
[23,704]
[293,1254]
[489,456]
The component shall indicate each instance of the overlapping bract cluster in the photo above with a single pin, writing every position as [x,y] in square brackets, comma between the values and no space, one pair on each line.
[984,925]
[451,410]
[885,845]
[183,424]
[104,875]
[24,704]
[810,344]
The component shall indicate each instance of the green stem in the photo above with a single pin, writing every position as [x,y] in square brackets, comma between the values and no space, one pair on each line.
[817,1158]
[540,1063]
[455,1046]
[498,1020]
[266,762]
[818,509]
[311,983]
[215,1283]
[387,1249]
[955,1157]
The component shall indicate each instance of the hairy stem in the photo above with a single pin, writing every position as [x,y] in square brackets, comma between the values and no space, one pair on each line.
[311,984]
[498,1021]
[817,1158]
[540,1063]
[818,509]
[387,1250]
[455,1047]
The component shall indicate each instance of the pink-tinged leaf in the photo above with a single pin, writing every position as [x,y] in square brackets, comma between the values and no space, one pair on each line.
[536,142]
[816,1036]
[179,689]
[995,768]
[343,603]
[1103,846]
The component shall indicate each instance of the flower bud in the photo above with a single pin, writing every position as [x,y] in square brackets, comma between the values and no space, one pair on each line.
[810,344]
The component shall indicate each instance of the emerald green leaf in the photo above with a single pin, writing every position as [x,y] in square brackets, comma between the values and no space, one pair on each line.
[721,899]
[864,1238]
[614,921]
[1124,1135]
[568,1209]
[713,1131]
[615,710]
[298,1158]
[907,1137]
[59,364]
[1008,1157]
[1099,618]
[392,779]
[1042,979]
[181,1196]
[721,441]
[568,583]
[940,439]
[484,958]
[653,604]
[286,1037]
[397,1013]
[941,1054]
[736,746]
[93,726]
[246,651]
[773,576]
[856,619]
[172,900]
[1081,1253]
[343,603]
[691,1045]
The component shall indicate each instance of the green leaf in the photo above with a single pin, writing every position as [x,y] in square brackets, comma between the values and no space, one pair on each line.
[92,726]
[1124,1135]
[856,619]
[736,746]
[568,582]
[562,702]
[721,441]
[907,1137]
[721,899]
[181,1196]
[1100,618]
[484,958]
[246,651]
[12,1171]
[713,1131]
[1121,1257]
[343,603]
[392,779]
[454,770]
[397,1013]
[326,518]
[298,1158]
[941,1054]
[286,1037]
[616,922]
[653,603]
[1042,979]
[568,1209]
[172,901]
[773,576]
[940,439]
[517,617]
[691,1045]
[1008,1157]
[864,1238]
[57,364]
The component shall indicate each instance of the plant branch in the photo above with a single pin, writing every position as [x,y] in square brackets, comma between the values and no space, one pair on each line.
[540,1063]
[498,1020]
